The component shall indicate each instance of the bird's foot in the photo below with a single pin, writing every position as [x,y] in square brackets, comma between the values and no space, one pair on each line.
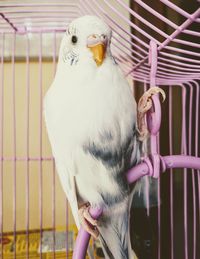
[86,220]
[145,104]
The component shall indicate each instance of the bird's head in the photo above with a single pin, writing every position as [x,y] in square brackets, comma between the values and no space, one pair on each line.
[87,40]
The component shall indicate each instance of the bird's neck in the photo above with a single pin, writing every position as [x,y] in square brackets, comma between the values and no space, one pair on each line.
[84,73]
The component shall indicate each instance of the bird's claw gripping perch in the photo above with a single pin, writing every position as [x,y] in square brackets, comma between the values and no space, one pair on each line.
[87,221]
[145,104]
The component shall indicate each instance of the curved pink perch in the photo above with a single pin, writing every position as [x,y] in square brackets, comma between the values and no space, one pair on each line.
[138,171]
[83,238]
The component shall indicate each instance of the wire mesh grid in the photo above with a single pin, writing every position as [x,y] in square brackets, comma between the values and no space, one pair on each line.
[30,196]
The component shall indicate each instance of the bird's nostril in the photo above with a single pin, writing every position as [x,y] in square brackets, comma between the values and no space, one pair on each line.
[94,36]
[103,37]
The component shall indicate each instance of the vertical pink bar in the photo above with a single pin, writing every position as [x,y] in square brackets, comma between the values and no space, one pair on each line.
[147,192]
[155,139]
[27,141]
[14,142]
[67,228]
[1,142]
[54,207]
[54,179]
[54,52]
[159,219]
[40,142]
[159,201]
[197,139]
[184,151]
[193,176]
[171,174]
[190,118]
[194,214]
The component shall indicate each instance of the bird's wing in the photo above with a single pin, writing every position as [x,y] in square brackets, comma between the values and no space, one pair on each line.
[67,181]
[57,137]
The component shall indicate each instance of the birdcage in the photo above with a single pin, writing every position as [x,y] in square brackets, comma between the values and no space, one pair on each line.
[156,43]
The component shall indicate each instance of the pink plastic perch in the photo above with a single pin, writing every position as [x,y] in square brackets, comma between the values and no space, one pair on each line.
[133,175]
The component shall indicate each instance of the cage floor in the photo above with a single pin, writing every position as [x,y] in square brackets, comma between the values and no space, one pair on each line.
[52,244]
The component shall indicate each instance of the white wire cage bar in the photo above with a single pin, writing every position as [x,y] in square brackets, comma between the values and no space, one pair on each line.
[30,32]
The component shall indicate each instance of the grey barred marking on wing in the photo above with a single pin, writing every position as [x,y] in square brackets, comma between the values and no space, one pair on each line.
[108,157]
[103,150]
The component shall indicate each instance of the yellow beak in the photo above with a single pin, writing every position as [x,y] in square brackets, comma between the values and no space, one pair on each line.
[98,51]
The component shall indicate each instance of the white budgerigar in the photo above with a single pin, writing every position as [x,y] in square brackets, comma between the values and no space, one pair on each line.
[90,115]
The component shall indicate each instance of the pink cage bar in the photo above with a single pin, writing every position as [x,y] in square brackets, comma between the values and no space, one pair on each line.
[152,49]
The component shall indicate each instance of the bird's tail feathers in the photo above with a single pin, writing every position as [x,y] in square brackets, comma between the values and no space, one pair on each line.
[113,234]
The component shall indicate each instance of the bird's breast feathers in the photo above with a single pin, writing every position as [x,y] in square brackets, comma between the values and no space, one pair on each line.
[77,109]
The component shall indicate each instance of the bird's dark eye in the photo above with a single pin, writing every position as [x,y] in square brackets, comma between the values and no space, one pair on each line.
[74,39]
